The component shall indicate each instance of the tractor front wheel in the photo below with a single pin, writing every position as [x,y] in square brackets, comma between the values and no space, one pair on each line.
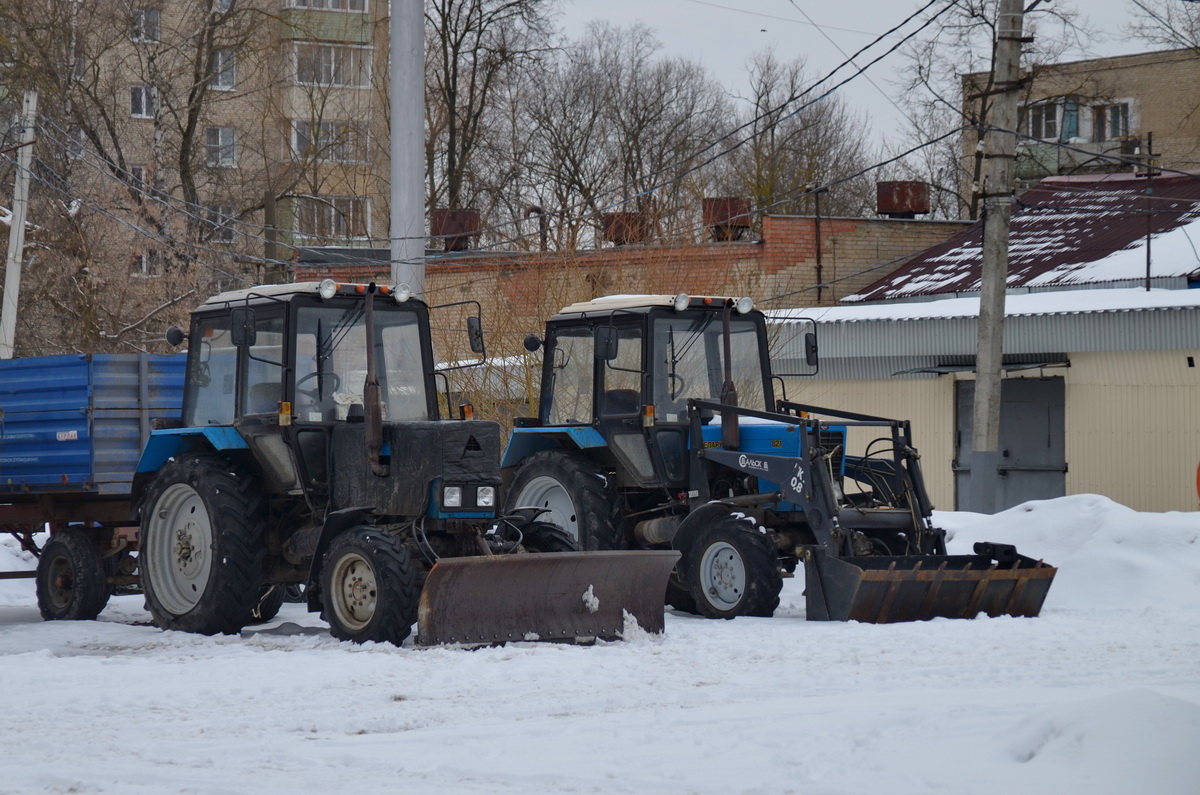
[580,499]
[369,587]
[733,570]
[71,579]
[202,546]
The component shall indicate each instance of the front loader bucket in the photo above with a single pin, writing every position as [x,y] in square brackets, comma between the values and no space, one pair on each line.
[887,589]
[560,596]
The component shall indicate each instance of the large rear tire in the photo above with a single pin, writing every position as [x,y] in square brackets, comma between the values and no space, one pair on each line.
[71,578]
[581,500]
[369,587]
[733,570]
[202,546]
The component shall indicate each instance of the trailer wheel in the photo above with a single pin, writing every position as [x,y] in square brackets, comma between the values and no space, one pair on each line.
[582,500]
[202,546]
[733,571]
[71,578]
[369,587]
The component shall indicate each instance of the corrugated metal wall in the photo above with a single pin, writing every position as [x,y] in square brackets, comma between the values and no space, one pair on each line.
[1133,427]
[927,402]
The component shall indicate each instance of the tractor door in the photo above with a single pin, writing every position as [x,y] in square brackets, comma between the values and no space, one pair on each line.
[620,399]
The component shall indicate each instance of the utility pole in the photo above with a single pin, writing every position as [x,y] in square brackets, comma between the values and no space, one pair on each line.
[406,99]
[16,228]
[1000,148]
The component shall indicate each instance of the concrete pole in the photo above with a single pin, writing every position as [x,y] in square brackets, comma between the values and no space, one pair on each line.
[999,150]
[16,228]
[406,94]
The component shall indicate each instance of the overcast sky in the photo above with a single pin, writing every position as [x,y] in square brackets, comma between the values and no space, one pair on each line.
[725,34]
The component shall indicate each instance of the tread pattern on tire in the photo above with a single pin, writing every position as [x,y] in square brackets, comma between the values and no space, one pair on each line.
[236,514]
[395,578]
[600,520]
[89,591]
[764,579]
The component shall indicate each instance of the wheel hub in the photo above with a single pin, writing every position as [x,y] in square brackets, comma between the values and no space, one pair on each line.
[188,556]
[725,574]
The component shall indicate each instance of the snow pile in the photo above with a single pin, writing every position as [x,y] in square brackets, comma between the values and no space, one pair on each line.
[1108,556]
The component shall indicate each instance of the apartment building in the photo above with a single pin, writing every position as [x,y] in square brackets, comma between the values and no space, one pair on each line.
[1102,115]
[230,125]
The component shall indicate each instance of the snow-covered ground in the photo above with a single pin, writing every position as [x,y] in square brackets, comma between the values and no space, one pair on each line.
[1101,694]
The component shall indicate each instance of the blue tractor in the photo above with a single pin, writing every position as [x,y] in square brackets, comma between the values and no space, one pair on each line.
[658,428]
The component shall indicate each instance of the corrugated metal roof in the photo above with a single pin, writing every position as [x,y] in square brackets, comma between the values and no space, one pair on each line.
[1069,230]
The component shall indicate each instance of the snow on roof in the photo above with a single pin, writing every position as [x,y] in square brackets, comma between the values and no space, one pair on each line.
[1069,231]
[1059,302]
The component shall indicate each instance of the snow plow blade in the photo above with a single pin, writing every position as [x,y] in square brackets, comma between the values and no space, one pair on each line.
[886,589]
[553,596]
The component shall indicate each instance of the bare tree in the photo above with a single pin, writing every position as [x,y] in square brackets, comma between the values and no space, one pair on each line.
[473,47]
[789,145]
[1167,23]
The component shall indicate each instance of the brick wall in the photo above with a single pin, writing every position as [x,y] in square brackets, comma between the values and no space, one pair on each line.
[519,291]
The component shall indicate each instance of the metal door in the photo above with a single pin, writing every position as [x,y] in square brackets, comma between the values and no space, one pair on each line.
[1033,462]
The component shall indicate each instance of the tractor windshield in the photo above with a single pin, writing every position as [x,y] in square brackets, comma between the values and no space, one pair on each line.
[331,362]
[687,363]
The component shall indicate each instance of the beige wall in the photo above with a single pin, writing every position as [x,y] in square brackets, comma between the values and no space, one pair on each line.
[1132,425]
[1133,428]
[927,402]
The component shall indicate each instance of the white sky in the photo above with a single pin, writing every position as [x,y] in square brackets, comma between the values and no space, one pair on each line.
[725,35]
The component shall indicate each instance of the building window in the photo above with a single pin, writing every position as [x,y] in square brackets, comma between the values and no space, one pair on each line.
[224,70]
[220,223]
[78,143]
[146,24]
[330,5]
[146,265]
[1043,120]
[329,141]
[321,64]
[332,217]
[137,177]
[141,102]
[1110,121]
[221,146]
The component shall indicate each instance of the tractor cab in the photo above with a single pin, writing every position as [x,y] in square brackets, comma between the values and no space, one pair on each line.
[626,366]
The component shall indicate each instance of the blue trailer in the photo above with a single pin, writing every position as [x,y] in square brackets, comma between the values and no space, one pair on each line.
[72,429]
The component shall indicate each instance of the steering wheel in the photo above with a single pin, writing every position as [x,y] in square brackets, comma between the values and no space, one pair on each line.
[314,394]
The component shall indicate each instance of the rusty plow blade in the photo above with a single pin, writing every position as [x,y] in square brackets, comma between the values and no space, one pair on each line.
[887,589]
[555,596]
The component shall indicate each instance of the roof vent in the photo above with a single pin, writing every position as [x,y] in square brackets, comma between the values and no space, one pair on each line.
[621,229]
[458,228]
[905,199]
[727,217]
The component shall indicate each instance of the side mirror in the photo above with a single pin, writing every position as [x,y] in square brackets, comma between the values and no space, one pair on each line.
[475,334]
[532,342]
[242,331]
[606,343]
[175,336]
[810,349]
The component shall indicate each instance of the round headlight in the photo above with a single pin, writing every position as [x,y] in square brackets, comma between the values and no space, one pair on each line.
[402,293]
[328,289]
[744,305]
[681,302]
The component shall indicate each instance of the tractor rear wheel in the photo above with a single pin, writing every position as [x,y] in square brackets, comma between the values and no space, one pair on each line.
[733,570]
[581,499]
[71,578]
[369,587]
[202,545]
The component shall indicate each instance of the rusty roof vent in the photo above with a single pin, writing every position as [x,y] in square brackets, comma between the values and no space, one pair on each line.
[621,229]
[458,228]
[903,199]
[727,217]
